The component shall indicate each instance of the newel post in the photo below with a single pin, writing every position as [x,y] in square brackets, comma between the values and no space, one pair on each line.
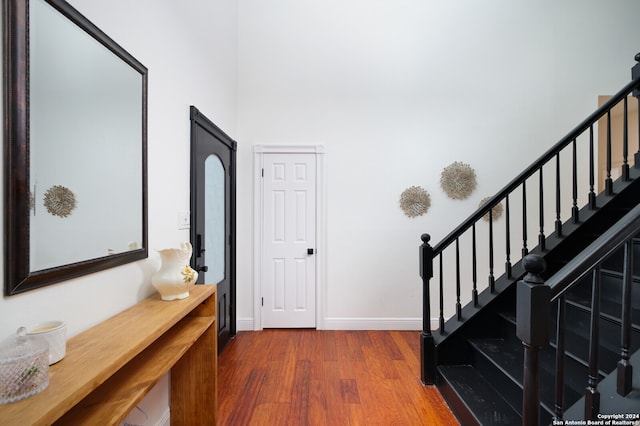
[533,311]
[427,344]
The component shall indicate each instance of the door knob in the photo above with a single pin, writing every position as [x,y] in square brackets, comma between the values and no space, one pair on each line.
[309,251]
[202,268]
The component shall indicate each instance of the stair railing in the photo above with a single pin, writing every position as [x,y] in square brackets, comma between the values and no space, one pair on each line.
[534,298]
[583,133]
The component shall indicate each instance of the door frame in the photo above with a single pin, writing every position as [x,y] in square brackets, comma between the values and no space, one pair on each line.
[259,151]
[200,120]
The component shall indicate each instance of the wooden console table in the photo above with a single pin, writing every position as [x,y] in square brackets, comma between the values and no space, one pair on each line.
[109,368]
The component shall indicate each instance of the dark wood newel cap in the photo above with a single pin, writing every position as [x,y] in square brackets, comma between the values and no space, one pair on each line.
[534,264]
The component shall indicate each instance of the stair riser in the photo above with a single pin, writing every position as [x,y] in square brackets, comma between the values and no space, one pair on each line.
[610,289]
[510,391]
[456,404]
[615,261]
[472,399]
[577,334]
[575,371]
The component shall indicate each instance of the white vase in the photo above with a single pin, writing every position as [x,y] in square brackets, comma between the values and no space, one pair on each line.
[175,277]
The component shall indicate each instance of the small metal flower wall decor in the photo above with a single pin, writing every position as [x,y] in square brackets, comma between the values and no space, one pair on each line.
[415,201]
[496,211]
[59,201]
[458,180]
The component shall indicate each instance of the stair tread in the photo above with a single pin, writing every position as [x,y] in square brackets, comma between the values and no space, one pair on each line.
[610,301]
[610,308]
[577,339]
[577,336]
[614,262]
[611,402]
[508,356]
[486,404]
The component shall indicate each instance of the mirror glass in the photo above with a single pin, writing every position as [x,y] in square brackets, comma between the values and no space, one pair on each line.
[82,185]
[214,219]
[86,106]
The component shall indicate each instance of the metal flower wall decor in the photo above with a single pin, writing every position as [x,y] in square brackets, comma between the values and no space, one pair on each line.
[496,211]
[458,180]
[59,201]
[415,201]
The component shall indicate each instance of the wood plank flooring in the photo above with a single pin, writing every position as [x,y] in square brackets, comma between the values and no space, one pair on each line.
[309,377]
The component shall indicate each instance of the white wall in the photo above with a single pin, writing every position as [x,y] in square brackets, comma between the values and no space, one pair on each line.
[397,90]
[189,48]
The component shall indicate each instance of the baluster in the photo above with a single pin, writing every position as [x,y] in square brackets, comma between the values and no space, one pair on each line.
[533,301]
[560,354]
[558,221]
[507,264]
[608,183]
[625,143]
[458,305]
[592,194]
[635,73]
[492,280]
[525,250]
[636,157]
[427,344]
[441,316]
[541,237]
[575,211]
[474,266]
[625,369]
[592,395]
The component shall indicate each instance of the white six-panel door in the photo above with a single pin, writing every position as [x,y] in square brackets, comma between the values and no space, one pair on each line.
[289,241]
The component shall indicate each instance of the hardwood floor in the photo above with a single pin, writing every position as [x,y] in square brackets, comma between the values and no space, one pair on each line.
[309,377]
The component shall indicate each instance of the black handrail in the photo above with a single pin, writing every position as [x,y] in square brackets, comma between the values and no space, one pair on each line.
[536,165]
[595,253]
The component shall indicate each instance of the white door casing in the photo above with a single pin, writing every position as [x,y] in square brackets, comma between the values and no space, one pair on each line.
[288,207]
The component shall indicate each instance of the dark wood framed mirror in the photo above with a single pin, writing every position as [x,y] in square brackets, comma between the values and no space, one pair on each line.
[75,146]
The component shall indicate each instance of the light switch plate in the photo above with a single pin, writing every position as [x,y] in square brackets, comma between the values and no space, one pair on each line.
[184,220]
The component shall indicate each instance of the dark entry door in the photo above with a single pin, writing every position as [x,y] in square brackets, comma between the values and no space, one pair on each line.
[213,199]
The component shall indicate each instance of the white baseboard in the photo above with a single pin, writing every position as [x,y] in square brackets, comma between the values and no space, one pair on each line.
[165,420]
[246,324]
[435,323]
[372,324]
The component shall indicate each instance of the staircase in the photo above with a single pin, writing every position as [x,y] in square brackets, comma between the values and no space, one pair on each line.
[493,366]
[476,357]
